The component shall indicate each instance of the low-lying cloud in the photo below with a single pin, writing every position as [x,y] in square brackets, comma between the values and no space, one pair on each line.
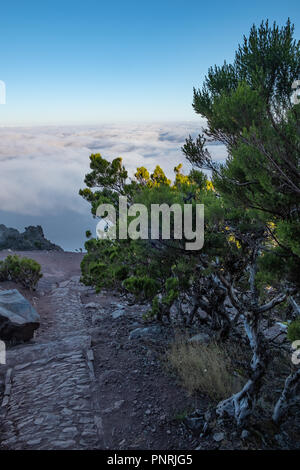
[42,168]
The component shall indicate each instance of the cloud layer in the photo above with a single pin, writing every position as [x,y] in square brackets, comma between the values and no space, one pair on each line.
[43,168]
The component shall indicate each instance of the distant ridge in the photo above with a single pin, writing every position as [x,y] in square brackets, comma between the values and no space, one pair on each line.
[31,239]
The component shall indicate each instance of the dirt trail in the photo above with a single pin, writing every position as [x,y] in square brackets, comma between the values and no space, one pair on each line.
[83,382]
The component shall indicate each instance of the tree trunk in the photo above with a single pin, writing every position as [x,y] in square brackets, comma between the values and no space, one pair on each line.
[241,404]
[288,396]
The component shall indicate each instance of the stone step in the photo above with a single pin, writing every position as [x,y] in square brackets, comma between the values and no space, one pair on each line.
[27,353]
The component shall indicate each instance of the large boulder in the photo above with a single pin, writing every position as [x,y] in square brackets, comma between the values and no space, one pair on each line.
[18,319]
[31,239]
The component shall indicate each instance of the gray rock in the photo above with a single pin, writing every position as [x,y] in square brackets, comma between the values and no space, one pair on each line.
[38,421]
[150,332]
[34,442]
[200,338]
[64,444]
[116,406]
[219,436]
[117,305]
[18,319]
[93,306]
[118,313]
[203,315]
[245,434]
[64,284]
[71,431]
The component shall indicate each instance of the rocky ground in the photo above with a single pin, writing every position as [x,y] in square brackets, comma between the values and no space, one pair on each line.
[86,381]
[94,377]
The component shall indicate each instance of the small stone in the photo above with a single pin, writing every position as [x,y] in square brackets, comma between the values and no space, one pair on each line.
[34,442]
[64,444]
[117,305]
[8,376]
[219,436]
[200,338]
[245,434]
[118,313]
[22,366]
[5,401]
[85,420]
[93,306]
[71,431]
[87,434]
[90,355]
[118,404]
[11,440]
[203,315]
[7,389]
[149,332]
[64,284]
[38,421]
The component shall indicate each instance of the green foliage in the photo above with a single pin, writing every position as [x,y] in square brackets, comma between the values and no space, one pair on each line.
[105,174]
[172,290]
[142,267]
[155,311]
[24,271]
[277,265]
[293,332]
[268,61]
[142,287]
[234,112]
[289,231]
[99,267]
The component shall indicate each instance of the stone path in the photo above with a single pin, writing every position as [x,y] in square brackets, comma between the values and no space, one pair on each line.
[50,399]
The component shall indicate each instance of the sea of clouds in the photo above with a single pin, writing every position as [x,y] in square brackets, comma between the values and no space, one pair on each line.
[43,168]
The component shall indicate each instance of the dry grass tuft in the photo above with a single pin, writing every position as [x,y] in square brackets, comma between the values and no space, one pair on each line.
[205,368]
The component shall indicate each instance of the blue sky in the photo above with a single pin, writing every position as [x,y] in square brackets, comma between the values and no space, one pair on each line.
[88,62]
